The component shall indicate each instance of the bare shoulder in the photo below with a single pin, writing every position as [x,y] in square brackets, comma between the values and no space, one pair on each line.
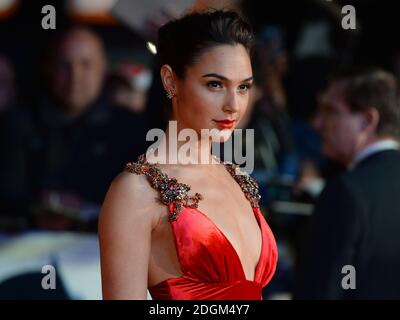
[126,221]
[130,197]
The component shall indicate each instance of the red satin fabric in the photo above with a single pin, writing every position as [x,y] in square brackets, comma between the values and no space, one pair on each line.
[210,265]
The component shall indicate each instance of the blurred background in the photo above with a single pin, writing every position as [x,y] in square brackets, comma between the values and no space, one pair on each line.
[77,101]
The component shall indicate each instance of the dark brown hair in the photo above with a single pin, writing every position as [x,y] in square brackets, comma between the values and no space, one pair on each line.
[373,87]
[183,40]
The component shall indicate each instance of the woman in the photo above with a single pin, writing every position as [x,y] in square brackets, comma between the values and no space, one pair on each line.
[212,243]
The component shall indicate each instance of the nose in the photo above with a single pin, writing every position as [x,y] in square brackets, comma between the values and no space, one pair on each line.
[232,102]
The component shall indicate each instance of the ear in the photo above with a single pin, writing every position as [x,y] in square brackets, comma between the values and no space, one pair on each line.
[370,120]
[168,78]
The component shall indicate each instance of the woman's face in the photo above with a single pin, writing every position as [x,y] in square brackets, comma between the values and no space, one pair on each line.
[215,91]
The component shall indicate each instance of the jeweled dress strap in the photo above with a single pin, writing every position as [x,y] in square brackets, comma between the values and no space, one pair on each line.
[247,183]
[170,190]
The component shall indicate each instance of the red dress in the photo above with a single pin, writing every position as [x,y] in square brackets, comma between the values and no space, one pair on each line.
[211,267]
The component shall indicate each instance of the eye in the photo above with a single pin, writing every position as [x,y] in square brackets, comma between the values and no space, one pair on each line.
[245,87]
[214,84]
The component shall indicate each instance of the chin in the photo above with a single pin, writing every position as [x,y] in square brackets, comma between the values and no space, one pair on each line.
[333,156]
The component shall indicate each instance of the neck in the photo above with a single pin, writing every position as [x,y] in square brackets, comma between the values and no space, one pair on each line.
[192,150]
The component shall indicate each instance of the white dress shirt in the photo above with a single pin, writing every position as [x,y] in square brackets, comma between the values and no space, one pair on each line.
[382,145]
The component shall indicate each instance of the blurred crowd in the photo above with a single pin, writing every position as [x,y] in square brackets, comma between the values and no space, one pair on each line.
[61,149]
[88,109]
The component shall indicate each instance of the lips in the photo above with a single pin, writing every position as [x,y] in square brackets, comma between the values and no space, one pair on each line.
[225,124]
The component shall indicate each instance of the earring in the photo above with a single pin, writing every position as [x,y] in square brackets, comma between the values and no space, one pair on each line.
[170,94]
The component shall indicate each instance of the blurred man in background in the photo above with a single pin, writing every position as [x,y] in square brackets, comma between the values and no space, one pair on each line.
[357,218]
[73,141]
[76,71]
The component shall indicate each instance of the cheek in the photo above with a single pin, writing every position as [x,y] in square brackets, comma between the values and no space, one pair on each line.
[342,136]
[335,127]
[198,102]
[244,103]
[350,129]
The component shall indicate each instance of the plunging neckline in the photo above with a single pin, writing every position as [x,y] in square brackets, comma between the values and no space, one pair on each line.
[229,242]
[215,226]
[236,255]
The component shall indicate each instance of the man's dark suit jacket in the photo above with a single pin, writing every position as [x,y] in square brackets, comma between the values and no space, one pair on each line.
[356,222]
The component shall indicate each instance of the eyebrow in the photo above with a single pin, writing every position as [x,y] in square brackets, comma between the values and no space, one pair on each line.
[215,75]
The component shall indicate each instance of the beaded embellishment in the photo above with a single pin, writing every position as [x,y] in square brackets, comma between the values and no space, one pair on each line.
[171,191]
[248,184]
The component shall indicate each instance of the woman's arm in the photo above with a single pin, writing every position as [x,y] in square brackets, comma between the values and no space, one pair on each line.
[125,225]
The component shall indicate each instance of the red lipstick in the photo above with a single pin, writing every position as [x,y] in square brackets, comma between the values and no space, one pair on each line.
[225,124]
